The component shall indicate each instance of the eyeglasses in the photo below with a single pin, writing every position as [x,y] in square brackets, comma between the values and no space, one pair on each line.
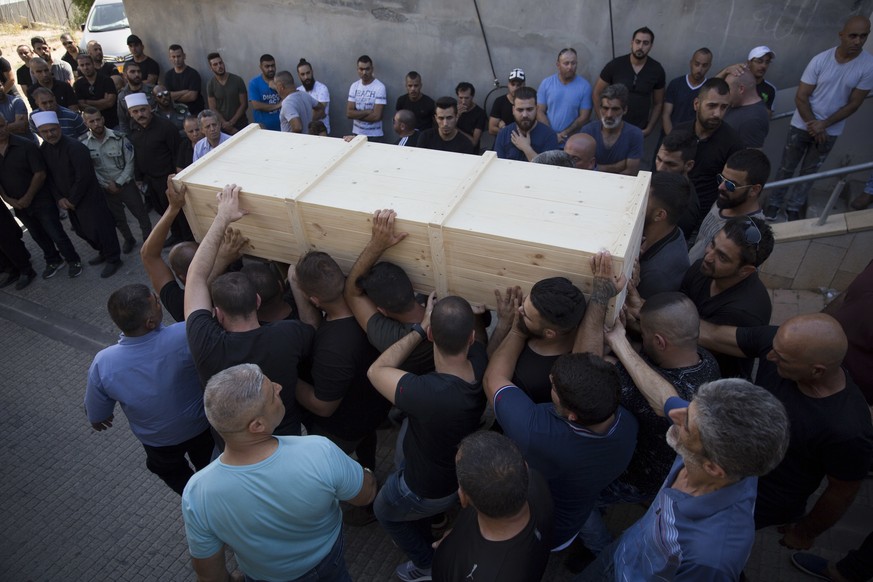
[729,185]
[751,234]
[162,94]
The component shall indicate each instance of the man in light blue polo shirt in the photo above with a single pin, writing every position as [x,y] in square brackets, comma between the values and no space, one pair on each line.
[701,524]
[564,98]
[273,499]
[151,374]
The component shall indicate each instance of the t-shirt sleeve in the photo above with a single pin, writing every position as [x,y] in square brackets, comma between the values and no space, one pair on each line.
[210,88]
[848,461]
[635,151]
[382,96]
[254,90]
[352,93]
[173,299]
[203,333]
[412,395]
[515,411]
[670,93]
[587,102]
[662,78]
[812,71]
[756,341]
[383,332]
[202,542]
[347,476]
[608,71]
[866,82]
[193,83]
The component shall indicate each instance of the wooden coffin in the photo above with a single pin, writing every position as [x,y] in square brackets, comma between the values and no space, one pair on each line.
[475,223]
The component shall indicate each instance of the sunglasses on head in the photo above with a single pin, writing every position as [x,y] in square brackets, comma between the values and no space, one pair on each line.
[729,185]
[751,234]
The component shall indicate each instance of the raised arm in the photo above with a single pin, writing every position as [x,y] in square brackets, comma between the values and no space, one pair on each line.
[606,285]
[150,253]
[501,364]
[196,283]
[720,338]
[507,309]
[382,239]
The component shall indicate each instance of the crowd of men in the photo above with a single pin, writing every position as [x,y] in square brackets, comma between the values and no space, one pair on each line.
[658,408]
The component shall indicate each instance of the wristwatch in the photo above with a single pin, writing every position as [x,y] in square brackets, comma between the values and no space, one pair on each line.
[416,327]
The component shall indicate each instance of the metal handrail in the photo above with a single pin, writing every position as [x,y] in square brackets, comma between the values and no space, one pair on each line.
[785,114]
[838,188]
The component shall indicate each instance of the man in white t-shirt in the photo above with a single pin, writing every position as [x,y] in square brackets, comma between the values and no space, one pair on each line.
[316,89]
[367,99]
[833,86]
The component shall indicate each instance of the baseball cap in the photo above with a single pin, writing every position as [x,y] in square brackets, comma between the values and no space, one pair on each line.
[133,39]
[516,75]
[760,51]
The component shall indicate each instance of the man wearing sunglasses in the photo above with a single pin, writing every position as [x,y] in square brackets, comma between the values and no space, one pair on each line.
[71,53]
[169,109]
[739,194]
[724,284]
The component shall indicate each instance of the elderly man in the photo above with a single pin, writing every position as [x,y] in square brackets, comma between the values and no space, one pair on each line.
[619,144]
[226,95]
[210,126]
[151,374]
[273,499]
[564,98]
[800,362]
[700,525]
[78,192]
[72,124]
[193,134]
[112,155]
[135,84]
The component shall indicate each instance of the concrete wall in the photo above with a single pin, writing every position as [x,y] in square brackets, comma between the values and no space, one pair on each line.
[443,41]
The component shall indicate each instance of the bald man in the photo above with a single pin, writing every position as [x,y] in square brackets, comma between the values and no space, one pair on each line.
[582,147]
[748,113]
[831,434]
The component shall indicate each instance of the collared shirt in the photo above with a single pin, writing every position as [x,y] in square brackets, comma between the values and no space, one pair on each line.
[703,537]
[177,114]
[112,157]
[202,147]
[72,124]
[154,379]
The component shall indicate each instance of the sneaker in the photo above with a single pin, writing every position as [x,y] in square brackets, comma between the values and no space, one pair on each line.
[792,215]
[811,564]
[25,280]
[99,259]
[51,270]
[409,573]
[771,213]
[128,246]
[74,269]
[110,269]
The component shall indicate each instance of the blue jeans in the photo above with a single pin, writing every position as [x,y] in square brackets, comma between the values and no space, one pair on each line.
[403,514]
[332,568]
[42,220]
[799,146]
[601,569]
[594,533]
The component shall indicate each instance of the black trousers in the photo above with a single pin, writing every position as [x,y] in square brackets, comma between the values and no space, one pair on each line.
[130,197]
[157,188]
[93,222]
[169,463]
[14,256]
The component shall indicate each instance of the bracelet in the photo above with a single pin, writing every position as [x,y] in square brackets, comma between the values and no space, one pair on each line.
[416,327]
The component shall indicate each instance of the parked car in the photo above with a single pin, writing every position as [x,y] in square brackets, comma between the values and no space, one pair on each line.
[107,24]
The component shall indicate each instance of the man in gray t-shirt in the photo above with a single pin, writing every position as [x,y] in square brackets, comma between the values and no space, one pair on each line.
[298,108]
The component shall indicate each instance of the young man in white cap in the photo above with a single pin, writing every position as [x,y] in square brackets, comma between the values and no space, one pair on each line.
[78,191]
[501,111]
[759,61]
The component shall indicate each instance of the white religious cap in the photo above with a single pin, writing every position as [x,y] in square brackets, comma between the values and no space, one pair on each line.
[761,51]
[41,118]
[136,99]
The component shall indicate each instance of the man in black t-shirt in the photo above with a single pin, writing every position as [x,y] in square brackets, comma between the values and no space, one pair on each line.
[472,119]
[643,76]
[550,315]
[501,110]
[108,69]
[724,284]
[503,533]
[345,406]
[96,90]
[149,66]
[420,104]
[233,335]
[717,141]
[442,407]
[676,156]
[184,82]
[831,434]
[445,136]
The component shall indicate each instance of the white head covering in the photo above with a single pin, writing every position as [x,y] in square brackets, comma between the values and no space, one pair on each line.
[41,118]
[136,99]
[760,51]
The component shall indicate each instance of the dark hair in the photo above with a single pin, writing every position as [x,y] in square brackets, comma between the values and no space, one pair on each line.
[750,254]
[365,59]
[211,56]
[320,276]
[129,64]
[39,91]
[559,302]
[682,141]
[130,306]
[526,93]
[451,323]
[447,103]
[389,287]
[587,386]
[413,75]
[182,253]
[267,286]
[566,50]
[465,86]
[303,63]
[191,118]
[493,474]
[89,110]
[176,47]
[285,78]
[35,40]
[84,56]
[720,86]
[673,194]
[316,128]
[753,162]
[644,30]
[266,57]
[234,294]
[702,50]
